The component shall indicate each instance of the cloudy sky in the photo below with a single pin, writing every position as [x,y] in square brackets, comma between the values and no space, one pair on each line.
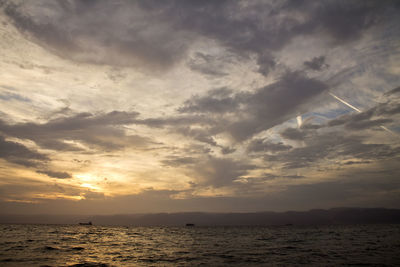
[160,106]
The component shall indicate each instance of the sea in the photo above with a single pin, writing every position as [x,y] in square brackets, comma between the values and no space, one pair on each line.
[75,245]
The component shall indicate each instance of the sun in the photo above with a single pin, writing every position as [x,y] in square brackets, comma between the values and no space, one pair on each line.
[88,180]
[90,186]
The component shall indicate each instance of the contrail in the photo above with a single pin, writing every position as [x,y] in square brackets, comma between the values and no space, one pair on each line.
[346,103]
[359,111]
[299,121]
[390,131]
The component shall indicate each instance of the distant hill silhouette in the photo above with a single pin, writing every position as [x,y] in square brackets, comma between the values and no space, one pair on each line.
[312,217]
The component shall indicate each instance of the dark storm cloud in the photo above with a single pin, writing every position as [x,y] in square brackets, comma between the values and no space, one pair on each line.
[47,33]
[235,25]
[317,63]
[55,174]
[373,117]
[388,108]
[276,103]
[260,110]
[17,153]
[339,121]
[321,146]
[128,37]
[310,126]
[333,145]
[207,64]
[393,91]
[293,134]
[347,20]
[343,21]
[361,125]
[102,131]
[261,145]
[156,34]
[266,63]
[264,27]
[242,114]
[219,100]
[227,150]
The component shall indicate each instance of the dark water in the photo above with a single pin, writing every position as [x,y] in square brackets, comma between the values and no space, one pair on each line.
[66,245]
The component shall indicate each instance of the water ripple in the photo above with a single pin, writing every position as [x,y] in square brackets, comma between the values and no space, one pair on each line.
[71,245]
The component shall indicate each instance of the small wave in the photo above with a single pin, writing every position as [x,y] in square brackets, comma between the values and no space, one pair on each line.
[50,248]
[264,238]
[90,264]
[135,234]
[16,248]
[68,239]
[318,254]
[296,241]
[71,233]
[77,248]
[7,260]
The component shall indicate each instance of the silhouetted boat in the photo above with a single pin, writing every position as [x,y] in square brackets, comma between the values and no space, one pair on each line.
[190,224]
[85,223]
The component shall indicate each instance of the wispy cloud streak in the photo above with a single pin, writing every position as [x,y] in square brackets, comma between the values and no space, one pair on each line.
[359,111]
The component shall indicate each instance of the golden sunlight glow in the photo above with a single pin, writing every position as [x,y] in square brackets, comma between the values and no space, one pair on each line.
[92,187]
[57,196]
[85,177]
[88,180]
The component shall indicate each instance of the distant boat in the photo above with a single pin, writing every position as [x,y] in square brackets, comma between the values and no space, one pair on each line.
[190,224]
[85,223]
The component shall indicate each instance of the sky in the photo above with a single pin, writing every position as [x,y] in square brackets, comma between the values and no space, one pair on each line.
[111,107]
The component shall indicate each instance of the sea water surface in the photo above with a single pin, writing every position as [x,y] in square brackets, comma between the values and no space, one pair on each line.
[74,245]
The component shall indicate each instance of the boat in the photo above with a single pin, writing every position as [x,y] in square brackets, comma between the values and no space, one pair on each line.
[85,223]
[190,224]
